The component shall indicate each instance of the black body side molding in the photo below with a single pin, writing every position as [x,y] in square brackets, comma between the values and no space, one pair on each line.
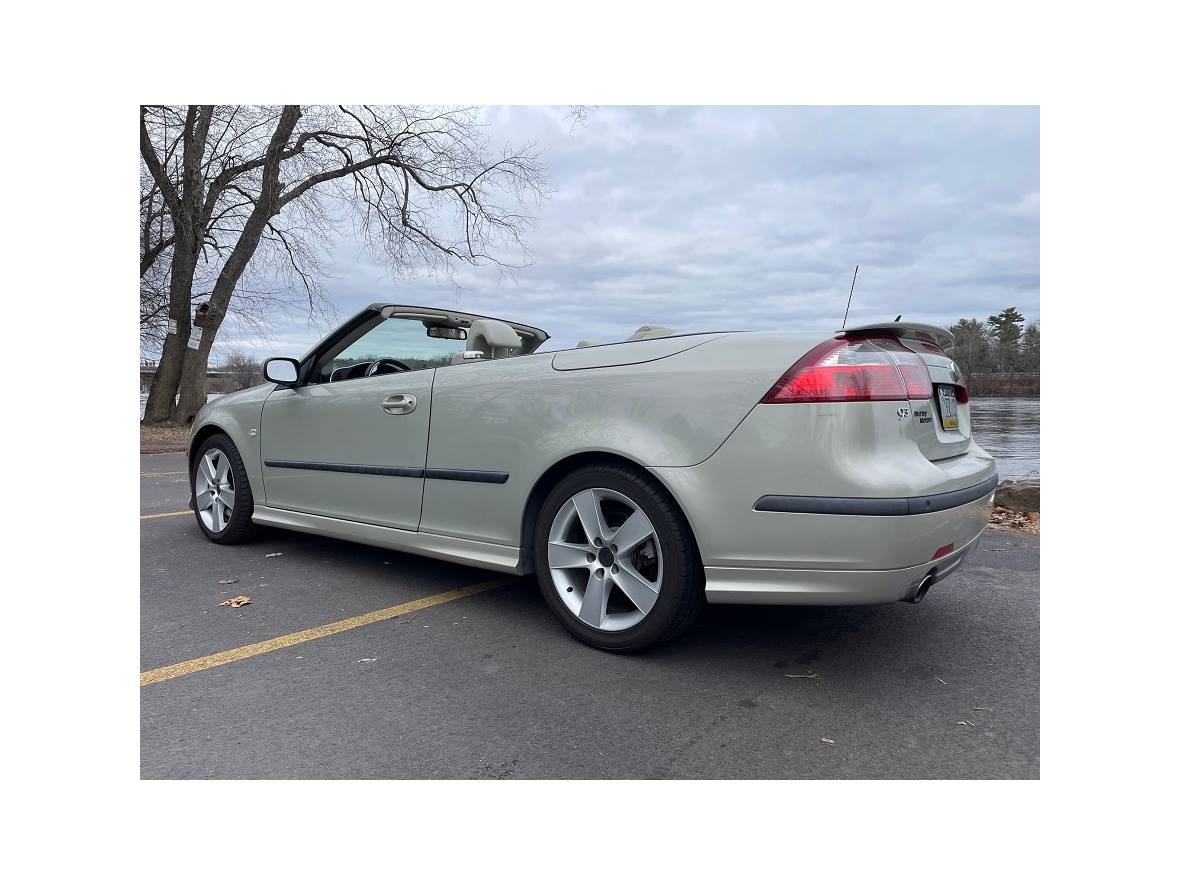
[491,476]
[876,506]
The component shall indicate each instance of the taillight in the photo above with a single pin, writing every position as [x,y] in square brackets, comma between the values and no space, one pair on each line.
[916,375]
[961,395]
[849,370]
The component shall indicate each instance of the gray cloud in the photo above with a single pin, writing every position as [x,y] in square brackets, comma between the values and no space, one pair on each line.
[724,218]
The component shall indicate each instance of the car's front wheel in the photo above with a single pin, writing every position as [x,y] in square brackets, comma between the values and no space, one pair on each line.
[616,559]
[222,498]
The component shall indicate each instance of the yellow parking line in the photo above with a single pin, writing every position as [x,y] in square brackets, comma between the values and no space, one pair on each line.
[162,515]
[258,648]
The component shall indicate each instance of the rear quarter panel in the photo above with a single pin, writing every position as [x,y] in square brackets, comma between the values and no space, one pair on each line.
[521,416]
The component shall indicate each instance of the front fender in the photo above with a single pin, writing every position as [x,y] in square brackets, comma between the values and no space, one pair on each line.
[238,416]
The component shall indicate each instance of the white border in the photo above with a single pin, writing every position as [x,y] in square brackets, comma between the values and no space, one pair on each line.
[1109,197]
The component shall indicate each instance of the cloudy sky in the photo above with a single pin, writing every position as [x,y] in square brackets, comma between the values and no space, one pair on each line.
[745,218]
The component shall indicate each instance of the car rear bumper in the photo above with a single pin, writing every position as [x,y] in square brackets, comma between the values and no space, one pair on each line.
[780,586]
[797,490]
[825,535]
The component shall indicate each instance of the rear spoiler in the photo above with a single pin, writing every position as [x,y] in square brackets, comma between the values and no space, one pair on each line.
[921,331]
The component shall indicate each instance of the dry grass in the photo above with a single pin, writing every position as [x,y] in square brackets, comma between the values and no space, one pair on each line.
[157,438]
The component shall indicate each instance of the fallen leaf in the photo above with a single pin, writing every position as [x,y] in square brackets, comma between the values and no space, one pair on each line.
[269,555]
[236,602]
[802,675]
[827,740]
[229,581]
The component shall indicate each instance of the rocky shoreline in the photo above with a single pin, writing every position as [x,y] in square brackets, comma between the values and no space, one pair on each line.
[1018,506]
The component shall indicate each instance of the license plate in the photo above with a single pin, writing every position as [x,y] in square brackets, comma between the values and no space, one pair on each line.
[948,408]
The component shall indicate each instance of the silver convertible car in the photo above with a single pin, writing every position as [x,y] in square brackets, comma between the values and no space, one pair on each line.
[637,479]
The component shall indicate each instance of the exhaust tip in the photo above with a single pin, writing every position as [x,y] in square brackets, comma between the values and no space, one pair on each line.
[919,592]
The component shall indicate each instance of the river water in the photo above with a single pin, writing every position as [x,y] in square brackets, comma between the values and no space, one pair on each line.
[1009,428]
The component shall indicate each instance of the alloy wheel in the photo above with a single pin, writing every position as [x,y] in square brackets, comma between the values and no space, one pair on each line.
[214,488]
[605,559]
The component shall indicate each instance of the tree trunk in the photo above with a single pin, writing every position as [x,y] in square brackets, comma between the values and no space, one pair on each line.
[162,393]
[194,380]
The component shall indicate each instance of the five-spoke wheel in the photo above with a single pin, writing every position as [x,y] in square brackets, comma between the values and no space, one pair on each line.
[604,553]
[222,497]
[615,558]
[213,487]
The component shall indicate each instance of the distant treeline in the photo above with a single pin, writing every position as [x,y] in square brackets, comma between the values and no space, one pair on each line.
[1005,384]
[1001,357]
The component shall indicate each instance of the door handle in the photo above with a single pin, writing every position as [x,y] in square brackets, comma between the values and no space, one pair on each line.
[399,404]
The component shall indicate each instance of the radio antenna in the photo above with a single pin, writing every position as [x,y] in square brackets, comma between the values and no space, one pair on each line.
[850,288]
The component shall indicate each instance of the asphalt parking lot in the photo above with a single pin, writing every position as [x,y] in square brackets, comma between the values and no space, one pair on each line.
[489,685]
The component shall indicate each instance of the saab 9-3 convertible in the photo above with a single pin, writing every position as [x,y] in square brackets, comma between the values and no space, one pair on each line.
[637,479]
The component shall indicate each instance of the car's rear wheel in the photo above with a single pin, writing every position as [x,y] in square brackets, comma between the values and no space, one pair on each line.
[222,498]
[616,559]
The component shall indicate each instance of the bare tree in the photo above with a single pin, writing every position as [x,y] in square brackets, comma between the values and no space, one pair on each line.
[971,350]
[243,370]
[262,187]
[155,241]
[578,115]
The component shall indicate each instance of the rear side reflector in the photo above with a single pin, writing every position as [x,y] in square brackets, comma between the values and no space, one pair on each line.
[851,370]
[943,551]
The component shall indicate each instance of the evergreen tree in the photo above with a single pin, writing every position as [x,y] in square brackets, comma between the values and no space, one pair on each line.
[1030,348]
[1007,327]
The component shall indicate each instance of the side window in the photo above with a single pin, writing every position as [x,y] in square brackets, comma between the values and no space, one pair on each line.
[403,344]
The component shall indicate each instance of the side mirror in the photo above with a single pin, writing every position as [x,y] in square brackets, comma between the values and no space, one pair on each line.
[281,370]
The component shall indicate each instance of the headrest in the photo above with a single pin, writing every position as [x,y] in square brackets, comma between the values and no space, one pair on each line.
[492,333]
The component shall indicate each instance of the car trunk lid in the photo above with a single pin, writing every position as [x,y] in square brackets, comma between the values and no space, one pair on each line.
[942,423]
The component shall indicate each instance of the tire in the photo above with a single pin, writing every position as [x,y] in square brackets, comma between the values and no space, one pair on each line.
[573,567]
[229,477]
